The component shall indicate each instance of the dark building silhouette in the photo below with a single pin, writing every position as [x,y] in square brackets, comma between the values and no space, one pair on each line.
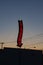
[18,56]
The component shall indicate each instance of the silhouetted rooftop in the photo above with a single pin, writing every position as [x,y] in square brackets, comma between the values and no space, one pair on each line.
[19,56]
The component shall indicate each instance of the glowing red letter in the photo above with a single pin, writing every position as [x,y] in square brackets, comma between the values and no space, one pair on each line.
[20,34]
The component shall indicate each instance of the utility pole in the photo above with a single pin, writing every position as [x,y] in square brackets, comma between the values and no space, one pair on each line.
[2,43]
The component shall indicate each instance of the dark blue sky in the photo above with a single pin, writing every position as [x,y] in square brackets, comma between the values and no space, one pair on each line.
[30,11]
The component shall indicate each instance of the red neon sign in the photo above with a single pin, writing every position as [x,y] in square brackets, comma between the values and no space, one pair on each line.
[20,33]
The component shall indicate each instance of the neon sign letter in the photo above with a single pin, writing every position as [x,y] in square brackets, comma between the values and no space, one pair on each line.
[20,34]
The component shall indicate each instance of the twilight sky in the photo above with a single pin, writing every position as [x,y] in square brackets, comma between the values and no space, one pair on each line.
[30,11]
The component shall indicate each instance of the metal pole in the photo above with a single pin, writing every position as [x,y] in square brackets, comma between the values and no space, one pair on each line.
[2,45]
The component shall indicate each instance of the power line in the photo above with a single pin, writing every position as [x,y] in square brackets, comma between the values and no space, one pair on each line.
[35,36]
[28,38]
[10,42]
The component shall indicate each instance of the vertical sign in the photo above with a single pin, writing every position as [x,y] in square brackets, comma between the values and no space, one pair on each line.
[20,33]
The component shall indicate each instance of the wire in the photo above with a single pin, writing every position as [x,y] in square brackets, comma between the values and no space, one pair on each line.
[25,39]
[35,36]
[10,42]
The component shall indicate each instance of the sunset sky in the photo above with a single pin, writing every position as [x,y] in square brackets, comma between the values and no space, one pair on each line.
[30,11]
